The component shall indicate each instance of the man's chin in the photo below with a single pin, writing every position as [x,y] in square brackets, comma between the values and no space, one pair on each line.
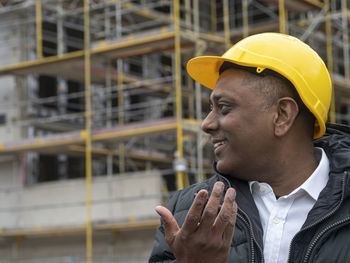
[221,167]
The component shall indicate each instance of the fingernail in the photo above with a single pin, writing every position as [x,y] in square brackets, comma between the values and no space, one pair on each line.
[202,194]
[231,194]
[156,208]
[219,187]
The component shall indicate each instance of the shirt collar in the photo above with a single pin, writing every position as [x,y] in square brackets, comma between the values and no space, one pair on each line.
[316,182]
[319,178]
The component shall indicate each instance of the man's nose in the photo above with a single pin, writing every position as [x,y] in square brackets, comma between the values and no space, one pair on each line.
[210,123]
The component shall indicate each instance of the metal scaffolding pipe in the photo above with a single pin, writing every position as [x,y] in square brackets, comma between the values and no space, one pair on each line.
[345,40]
[108,98]
[188,13]
[227,23]
[38,22]
[178,101]
[121,113]
[198,91]
[245,20]
[60,31]
[196,18]
[282,16]
[118,18]
[213,15]
[330,55]
[88,157]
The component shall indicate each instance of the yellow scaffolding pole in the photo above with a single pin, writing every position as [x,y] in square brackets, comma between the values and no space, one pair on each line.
[121,114]
[179,132]
[213,15]
[330,55]
[227,23]
[88,158]
[282,16]
[245,18]
[198,96]
[38,22]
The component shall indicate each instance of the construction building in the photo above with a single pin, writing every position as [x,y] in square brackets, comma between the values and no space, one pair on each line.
[99,121]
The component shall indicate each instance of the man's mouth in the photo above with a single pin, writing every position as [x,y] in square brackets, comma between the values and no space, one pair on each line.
[217,144]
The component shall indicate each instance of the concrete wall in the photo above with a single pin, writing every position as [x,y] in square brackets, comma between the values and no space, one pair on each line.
[14,45]
[62,203]
[123,247]
[58,204]
[10,36]
[9,188]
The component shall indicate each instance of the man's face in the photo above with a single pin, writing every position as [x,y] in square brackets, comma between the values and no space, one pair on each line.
[240,126]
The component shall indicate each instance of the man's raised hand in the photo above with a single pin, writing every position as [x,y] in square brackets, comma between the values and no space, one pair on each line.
[205,235]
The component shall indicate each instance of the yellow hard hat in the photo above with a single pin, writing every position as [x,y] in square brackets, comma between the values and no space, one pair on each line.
[284,54]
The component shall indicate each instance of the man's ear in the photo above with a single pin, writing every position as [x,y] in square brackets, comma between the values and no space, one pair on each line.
[286,112]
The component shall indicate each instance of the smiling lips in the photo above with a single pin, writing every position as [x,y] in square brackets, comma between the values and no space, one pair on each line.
[217,144]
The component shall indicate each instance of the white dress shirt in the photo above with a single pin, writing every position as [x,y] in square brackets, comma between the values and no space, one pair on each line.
[282,218]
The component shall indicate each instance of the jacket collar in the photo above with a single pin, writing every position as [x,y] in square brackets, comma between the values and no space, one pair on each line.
[336,144]
[245,202]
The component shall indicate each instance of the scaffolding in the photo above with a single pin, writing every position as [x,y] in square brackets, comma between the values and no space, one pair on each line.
[102,84]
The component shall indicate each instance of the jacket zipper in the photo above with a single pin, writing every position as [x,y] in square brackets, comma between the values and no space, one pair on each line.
[252,237]
[244,217]
[340,222]
[322,219]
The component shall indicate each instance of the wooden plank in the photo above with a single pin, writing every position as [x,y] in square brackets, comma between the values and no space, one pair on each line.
[60,143]
[71,65]
[297,5]
[73,230]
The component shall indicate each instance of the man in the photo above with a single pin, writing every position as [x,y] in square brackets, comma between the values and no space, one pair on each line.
[277,195]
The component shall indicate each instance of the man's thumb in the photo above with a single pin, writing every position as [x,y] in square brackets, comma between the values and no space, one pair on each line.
[170,225]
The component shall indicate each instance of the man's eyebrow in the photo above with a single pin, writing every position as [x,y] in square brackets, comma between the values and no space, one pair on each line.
[218,96]
[214,97]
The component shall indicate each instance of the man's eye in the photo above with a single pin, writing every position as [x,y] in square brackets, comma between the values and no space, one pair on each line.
[224,109]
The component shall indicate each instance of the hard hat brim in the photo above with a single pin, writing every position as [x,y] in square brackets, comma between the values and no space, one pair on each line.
[205,69]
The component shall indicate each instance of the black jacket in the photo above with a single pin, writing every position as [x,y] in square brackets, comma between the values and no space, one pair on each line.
[325,235]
